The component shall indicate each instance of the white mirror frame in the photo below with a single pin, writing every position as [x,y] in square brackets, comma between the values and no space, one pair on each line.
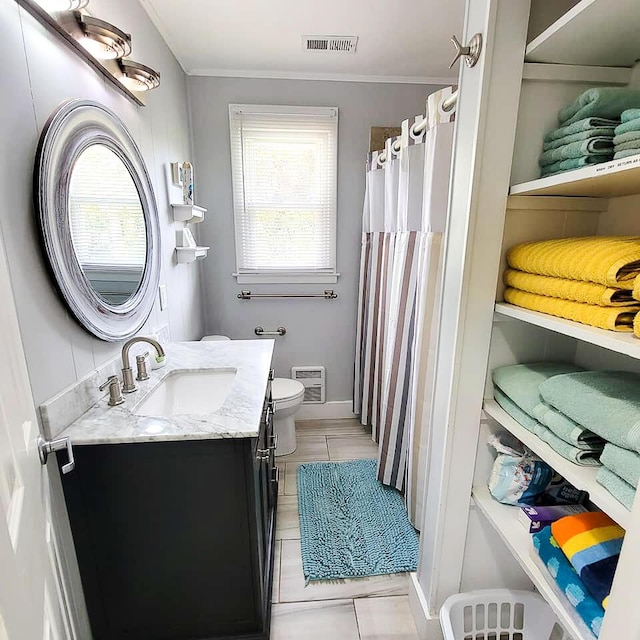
[74,126]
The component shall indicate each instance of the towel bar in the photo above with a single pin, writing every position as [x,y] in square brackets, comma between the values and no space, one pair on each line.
[280,331]
[329,294]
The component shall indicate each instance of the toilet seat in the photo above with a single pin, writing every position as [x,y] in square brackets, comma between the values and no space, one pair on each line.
[286,392]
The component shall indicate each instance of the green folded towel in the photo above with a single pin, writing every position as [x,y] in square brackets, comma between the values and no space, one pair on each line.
[588,124]
[605,402]
[578,456]
[599,132]
[624,463]
[630,114]
[600,102]
[593,147]
[573,163]
[567,429]
[626,153]
[520,382]
[629,126]
[627,137]
[622,491]
[626,146]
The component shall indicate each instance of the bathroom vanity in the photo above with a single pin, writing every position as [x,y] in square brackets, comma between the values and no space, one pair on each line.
[173,516]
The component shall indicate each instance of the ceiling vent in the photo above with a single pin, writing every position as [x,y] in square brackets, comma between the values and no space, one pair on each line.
[338,44]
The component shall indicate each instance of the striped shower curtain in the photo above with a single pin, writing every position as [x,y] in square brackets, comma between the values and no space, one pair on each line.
[403,221]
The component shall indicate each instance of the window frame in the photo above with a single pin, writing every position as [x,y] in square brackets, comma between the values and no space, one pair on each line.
[279,276]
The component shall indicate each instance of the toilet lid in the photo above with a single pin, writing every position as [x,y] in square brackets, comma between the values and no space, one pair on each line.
[283,388]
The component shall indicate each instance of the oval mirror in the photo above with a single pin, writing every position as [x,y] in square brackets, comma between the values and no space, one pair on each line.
[98,219]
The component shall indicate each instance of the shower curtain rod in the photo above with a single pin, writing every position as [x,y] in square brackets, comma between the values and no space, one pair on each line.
[447,104]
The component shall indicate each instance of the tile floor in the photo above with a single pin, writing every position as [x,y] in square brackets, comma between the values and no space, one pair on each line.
[374,608]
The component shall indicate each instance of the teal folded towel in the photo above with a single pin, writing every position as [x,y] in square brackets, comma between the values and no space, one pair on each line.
[627,137]
[630,126]
[573,163]
[520,382]
[625,146]
[626,153]
[600,102]
[593,147]
[567,429]
[599,132]
[622,462]
[622,491]
[630,114]
[581,457]
[605,402]
[588,124]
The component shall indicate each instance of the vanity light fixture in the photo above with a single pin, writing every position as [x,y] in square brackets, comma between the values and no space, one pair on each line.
[102,39]
[138,77]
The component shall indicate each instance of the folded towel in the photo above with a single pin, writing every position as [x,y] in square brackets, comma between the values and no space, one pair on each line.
[582,457]
[568,580]
[636,326]
[576,290]
[612,261]
[591,541]
[630,114]
[566,429]
[601,146]
[629,126]
[596,132]
[624,463]
[587,124]
[605,402]
[626,146]
[622,491]
[611,318]
[626,153]
[630,136]
[600,102]
[572,164]
[520,382]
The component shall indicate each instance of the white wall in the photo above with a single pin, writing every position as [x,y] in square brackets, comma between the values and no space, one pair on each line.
[38,73]
[319,332]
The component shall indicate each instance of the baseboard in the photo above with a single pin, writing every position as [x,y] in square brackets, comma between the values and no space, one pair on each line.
[427,626]
[336,410]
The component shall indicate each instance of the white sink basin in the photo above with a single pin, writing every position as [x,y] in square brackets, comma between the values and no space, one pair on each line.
[196,392]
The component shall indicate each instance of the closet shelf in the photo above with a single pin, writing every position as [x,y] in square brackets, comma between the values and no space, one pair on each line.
[583,478]
[592,33]
[625,343]
[191,254]
[503,518]
[188,213]
[606,180]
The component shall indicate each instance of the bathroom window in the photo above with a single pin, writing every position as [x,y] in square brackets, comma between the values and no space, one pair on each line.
[284,190]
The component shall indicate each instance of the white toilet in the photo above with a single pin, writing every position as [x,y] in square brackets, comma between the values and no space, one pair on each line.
[287,397]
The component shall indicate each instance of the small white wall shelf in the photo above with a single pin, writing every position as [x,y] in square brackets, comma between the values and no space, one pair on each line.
[191,254]
[504,519]
[593,33]
[188,213]
[583,478]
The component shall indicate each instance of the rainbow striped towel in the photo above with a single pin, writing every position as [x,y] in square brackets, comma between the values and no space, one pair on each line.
[591,541]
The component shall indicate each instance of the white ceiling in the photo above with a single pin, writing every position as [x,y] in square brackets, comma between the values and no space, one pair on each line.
[400,40]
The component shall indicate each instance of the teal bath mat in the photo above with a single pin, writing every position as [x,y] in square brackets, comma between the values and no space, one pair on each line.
[350,524]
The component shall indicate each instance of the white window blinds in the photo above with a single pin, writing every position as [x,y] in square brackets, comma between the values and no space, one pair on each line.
[284,186]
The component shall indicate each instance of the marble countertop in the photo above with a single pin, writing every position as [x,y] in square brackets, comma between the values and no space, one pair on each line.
[238,417]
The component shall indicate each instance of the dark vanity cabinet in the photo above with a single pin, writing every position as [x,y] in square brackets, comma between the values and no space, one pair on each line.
[175,539]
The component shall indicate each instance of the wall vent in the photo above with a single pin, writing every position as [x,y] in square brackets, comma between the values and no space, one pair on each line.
[337,44]
[313,379]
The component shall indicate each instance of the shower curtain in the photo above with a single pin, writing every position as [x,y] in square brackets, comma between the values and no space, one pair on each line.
[403,222]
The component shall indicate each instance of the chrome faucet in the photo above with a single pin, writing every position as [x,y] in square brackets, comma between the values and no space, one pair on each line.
[128,384]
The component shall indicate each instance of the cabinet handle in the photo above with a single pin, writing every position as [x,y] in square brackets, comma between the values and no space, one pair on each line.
[275,472]
[274,442]
[45,447]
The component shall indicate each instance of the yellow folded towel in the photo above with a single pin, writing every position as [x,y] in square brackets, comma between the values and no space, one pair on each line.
[636,326]
[612,318]
[576,290]
[612,261]
[636,288]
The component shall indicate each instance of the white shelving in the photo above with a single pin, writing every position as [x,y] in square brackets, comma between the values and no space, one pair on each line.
[188,213]
[503,518]
[191,254]
[583,478]
[620,342]
[606,180]
[593,33]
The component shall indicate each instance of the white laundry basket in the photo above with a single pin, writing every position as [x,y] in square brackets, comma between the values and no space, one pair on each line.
[499,614]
